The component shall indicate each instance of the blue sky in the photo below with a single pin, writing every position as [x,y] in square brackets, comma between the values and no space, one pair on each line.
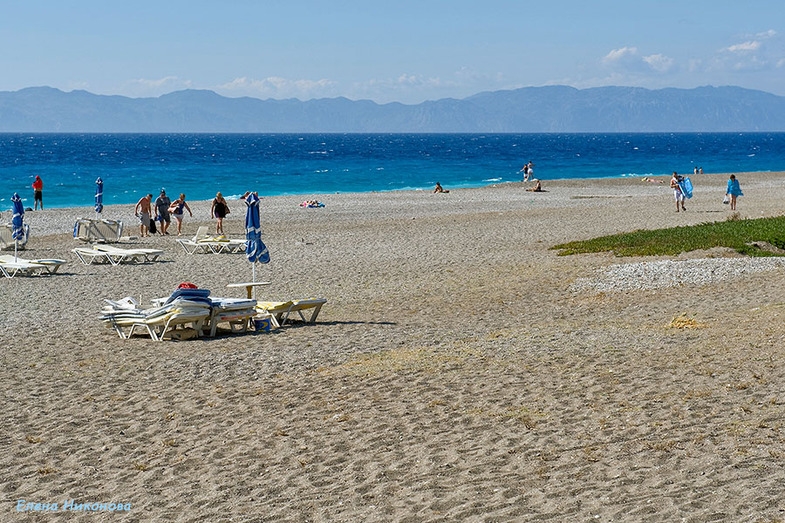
[401,50]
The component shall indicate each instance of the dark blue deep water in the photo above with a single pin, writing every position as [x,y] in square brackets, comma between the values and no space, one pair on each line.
[199,165]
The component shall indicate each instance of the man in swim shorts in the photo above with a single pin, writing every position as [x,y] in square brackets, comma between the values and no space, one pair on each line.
[143,210]
[678,194]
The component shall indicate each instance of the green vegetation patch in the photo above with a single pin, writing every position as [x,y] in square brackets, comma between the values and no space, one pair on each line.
[733,233]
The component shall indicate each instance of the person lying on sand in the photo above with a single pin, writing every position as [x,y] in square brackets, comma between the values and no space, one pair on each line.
[439,188]
[536,188]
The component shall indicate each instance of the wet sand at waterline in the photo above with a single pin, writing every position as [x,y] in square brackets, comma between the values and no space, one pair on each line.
[460,371]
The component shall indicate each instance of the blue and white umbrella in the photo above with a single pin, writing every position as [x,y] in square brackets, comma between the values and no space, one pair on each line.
[255,249]
[99,197]
[18,231]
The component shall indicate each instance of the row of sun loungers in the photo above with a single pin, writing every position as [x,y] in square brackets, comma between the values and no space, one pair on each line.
[194,311]
[185,307]
[126,317]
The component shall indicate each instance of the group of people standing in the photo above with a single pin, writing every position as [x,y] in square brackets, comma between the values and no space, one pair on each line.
[161,212]
[164,209]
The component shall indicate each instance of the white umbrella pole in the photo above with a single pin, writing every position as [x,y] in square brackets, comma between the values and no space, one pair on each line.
[253,277]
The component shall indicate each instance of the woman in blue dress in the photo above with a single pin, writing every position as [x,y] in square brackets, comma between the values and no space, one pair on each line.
[733,190]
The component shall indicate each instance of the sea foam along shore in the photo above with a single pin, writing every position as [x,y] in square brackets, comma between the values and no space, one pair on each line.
[455,373]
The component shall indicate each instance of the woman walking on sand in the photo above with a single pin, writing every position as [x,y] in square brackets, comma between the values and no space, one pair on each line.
[733,190]
[176,210]
[219,211]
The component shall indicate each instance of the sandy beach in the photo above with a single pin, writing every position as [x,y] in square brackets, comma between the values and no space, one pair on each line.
[460,371]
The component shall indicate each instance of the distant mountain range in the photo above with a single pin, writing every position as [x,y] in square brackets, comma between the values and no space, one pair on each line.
[532,109]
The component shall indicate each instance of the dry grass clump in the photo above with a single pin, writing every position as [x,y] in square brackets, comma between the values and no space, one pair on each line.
[684,322]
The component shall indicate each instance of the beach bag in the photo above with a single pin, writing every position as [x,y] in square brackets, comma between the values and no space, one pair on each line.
[152,228]
[726,199]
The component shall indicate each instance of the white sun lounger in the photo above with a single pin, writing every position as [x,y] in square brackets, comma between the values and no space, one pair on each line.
[10,266]
[90,230]
[237,312]
[7,238]
[90,256]
[98,254]
[201,243]
[158,322]
[133,255]
[279,311]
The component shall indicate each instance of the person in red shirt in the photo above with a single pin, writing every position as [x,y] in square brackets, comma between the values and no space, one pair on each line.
[38,192]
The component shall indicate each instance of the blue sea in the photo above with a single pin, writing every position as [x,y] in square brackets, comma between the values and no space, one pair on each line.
[199,165]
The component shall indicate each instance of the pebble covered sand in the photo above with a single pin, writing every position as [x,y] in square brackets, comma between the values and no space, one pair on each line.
[461,370]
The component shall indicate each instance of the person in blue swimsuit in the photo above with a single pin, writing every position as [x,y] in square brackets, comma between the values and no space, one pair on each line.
[176,210]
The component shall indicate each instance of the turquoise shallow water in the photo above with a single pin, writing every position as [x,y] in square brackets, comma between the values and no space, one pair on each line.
[199,165]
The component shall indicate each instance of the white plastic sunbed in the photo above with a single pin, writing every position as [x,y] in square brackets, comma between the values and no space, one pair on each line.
[236,312]
[133,255]
[201,243]
[11,266]
[158,322]
[90,256]
[7,241]
[97,254]
[90,230]
[279,311]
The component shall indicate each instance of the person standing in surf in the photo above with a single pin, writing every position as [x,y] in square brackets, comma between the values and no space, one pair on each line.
[678,194]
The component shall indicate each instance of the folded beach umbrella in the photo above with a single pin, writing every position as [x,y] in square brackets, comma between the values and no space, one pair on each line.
[17,232]
[255,249]
[99,197]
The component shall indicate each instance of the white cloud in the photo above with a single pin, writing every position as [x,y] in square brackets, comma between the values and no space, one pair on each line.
[618,55]
[408,79]
[659,62]
[628,58]
[744,47]
[278,87]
